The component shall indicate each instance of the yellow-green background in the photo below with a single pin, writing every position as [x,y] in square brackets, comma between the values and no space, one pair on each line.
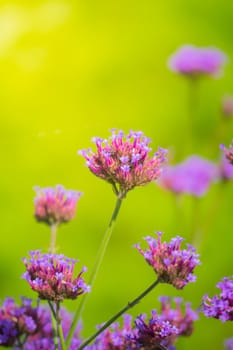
[71,70]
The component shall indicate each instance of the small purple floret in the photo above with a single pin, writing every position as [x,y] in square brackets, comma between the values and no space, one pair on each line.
[51,275]
[172,264]
[228,152]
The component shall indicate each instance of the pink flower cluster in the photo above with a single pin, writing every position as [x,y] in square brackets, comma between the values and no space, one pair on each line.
[55,205]
[172,264]
[51,276]
[124,161]
[193,176]
[197,61]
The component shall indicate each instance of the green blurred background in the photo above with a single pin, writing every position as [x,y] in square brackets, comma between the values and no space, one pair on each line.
[71,70]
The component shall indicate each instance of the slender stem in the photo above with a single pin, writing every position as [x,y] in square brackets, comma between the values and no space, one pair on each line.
[54,324]
[98,261]
[192,110]
[195,220]
[59,327]
[53,238]
[121,312]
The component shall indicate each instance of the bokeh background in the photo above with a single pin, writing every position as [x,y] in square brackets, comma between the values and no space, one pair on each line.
[71,70]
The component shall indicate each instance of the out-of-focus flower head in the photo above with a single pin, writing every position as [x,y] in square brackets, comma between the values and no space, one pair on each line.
[220,306]
[172,264]
[43,338]
[228,343]
[193,61]
[55,205]
[124,161]
[52,276]
[154,333]
[183,320]
[115,337]
[227,106]
[228,152]
[193,176]
[16,321]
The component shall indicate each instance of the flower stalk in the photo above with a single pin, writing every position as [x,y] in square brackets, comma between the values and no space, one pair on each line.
[118,314]
[98,261]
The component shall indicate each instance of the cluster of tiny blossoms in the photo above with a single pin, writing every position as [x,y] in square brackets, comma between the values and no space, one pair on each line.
[220,306]
[193,176]
[51,276]
[195,61]
[55,205]
[124,161]
[159,332]
[172,264]
[16,320]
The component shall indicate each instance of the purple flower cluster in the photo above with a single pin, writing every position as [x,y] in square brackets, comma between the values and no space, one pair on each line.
[51,275]
[193,176]
[150,335]
[172,264]
[16,321]
[225,169]
[220,306]
[228,344]
[182,320]
[124,161]
[55,205]
[196,61]
[228,152]
[43,338]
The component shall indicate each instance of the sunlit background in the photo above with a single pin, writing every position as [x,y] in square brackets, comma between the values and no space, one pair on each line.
[71,70]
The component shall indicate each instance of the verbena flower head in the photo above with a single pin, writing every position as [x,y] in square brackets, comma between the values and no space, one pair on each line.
[195,61]
[55,205]
[52,276]
[115,337]
[228,343]
[43,338]
[193,176]
[16,321]
[150,335]
[220,306]
[124,161]
[228,152]
[182,317]
[172,264]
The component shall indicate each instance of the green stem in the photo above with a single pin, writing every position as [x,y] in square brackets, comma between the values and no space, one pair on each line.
[192,110]
[121,312]
[54,324]
[52,247]
[195,221]
[98,261]
[59,327]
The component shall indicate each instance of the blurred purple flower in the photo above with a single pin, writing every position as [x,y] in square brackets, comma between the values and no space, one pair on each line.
[228,343]
[220,306]
[228,152]
[225,169]
[51,275]
[193,176]
[172,264]
[182,320]
[195,61]
[43,338]
[124,161]
[55,205]
[16,321]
